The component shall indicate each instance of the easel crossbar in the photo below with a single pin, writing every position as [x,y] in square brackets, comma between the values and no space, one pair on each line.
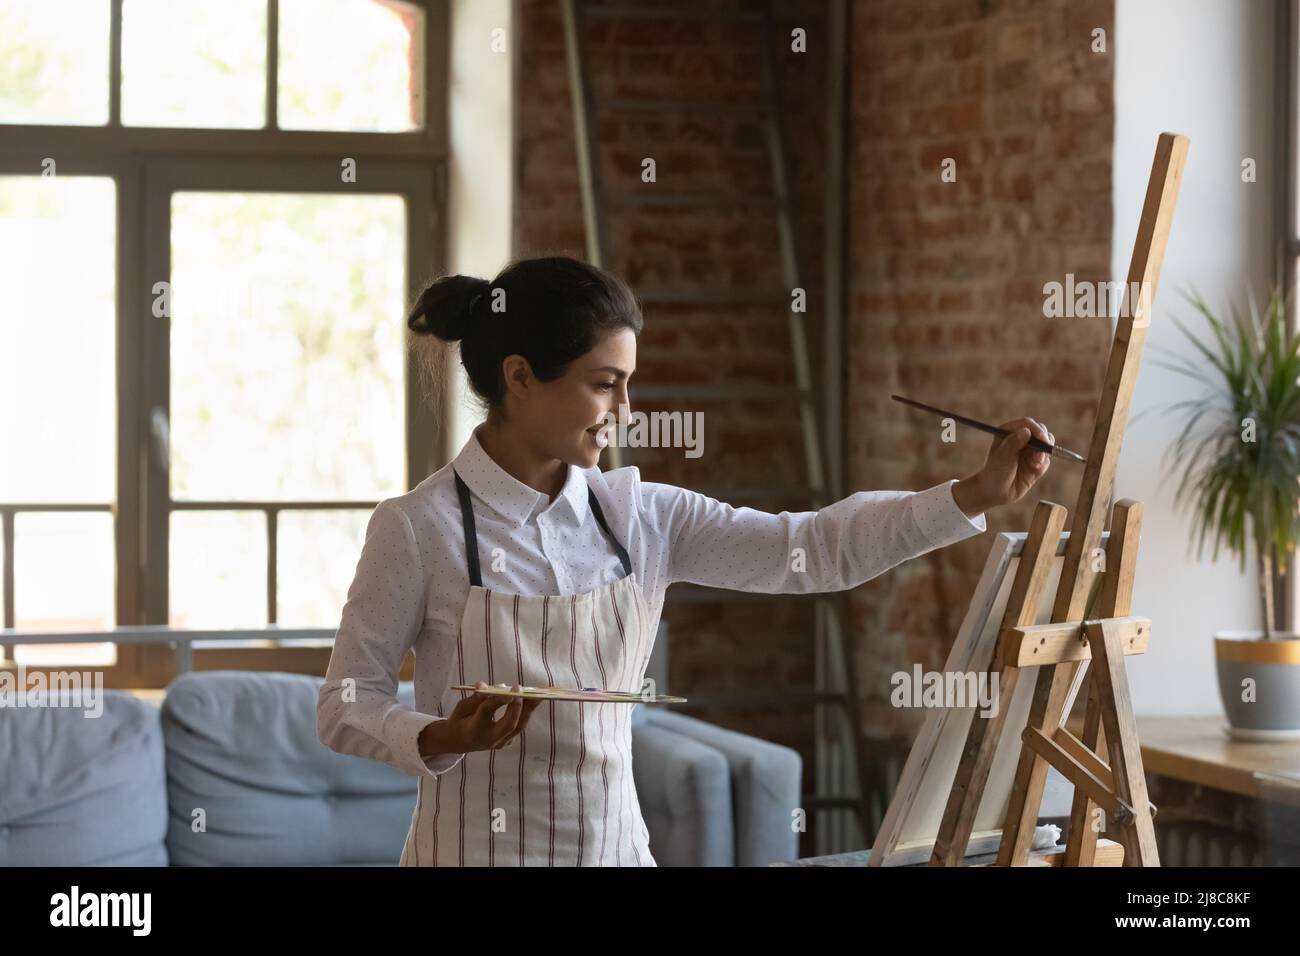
[1058,643]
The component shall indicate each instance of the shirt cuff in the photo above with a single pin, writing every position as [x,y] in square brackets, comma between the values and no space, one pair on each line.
[405,727]
[940,520]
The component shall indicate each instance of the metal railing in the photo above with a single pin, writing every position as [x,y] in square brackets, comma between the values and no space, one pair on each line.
[182,642]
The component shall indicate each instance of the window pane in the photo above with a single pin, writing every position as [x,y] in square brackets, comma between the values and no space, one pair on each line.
[63,581]
[57,339]
[218,569]
[54,61]
[317,552]
[350,65]
[287,346]
[194,63]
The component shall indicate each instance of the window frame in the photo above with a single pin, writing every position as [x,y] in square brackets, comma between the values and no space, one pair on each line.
[146,164]
[1286,229]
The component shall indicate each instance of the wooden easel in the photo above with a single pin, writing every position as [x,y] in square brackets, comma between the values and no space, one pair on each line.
[1062,649]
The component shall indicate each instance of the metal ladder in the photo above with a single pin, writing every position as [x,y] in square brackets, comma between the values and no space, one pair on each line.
[841,795]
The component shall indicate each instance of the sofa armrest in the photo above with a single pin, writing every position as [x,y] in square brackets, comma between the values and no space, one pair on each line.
[684,789]
[765,786]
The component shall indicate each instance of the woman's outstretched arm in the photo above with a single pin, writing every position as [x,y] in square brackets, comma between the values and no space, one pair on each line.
[833,549]
[843,544]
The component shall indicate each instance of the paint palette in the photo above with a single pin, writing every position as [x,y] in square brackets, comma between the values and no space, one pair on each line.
[588,695]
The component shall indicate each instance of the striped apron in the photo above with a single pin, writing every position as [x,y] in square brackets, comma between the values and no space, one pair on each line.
[561,793]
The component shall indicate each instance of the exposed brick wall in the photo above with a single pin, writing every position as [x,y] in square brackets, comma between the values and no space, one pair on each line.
[946,279]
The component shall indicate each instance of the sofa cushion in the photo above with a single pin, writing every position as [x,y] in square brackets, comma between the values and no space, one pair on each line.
[684,790]
[765,787]
[82,790]
[250,783]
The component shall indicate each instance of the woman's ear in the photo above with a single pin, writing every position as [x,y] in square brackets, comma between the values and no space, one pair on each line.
[518,375]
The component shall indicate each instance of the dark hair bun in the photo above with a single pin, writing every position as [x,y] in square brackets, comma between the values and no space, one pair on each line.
[447,307]
[559,308]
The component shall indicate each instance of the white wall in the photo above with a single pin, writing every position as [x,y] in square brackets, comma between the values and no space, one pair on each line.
[480,188]
[1202,68]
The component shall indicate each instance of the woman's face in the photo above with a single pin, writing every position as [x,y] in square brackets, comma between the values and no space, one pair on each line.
[568,416]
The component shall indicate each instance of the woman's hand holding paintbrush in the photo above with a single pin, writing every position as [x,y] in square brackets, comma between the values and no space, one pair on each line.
[1021,453]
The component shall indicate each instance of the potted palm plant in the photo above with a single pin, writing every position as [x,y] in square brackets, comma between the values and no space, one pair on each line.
[1238,456]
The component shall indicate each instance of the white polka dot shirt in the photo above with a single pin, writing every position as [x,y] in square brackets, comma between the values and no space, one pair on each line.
[412,580]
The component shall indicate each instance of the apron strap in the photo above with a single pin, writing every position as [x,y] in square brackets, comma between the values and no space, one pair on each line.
[600,520]
[471,537]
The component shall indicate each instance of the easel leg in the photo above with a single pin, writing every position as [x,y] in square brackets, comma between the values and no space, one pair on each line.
[1139,833]
[1081,846]
[1116,601]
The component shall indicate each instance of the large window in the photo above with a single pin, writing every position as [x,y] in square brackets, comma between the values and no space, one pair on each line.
[212,216]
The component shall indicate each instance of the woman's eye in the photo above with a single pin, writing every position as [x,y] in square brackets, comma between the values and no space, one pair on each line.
[607,386]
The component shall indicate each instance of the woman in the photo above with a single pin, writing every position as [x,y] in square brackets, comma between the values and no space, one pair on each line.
[520,562]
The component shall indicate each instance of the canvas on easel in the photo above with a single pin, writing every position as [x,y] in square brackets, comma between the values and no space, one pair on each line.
[907,832]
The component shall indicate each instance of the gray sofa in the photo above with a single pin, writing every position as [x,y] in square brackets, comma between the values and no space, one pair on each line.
[230,771]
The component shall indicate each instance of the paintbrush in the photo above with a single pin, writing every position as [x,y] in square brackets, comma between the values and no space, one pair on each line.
[1036,443]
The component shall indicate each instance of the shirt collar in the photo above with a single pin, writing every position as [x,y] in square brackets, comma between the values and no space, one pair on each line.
[506,494]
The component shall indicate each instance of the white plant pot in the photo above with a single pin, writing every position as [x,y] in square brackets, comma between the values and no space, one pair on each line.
[1259,682]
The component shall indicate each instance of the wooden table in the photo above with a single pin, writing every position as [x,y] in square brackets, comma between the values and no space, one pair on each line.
[1220,799]
[1198,750]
